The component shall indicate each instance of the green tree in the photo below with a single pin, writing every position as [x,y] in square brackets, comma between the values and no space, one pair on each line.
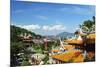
[25,63]
[93,19]
[88,24]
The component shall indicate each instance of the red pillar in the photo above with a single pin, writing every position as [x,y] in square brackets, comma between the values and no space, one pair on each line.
[46,44]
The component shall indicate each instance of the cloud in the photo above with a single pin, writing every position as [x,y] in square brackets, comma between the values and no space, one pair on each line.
[30,27]
[78,10]
[40,17]
[49,28]
[54,28]
[18,11]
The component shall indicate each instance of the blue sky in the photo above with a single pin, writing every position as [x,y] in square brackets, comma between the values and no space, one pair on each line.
[49,18]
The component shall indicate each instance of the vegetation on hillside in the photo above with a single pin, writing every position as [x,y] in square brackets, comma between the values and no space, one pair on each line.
[18,46]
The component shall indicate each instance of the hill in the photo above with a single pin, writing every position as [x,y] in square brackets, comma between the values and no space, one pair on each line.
[15,31]
[65,34]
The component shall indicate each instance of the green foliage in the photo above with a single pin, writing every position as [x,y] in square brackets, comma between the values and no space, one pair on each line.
[89,23]
[52,44]
[25,63]
[17,47]
[93,19]
[87,26]
[46,59]
[76,32]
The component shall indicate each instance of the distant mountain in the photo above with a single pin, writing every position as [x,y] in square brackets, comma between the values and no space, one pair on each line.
[65,34]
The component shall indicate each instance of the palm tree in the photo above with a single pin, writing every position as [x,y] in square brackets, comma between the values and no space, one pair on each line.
[93,19]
